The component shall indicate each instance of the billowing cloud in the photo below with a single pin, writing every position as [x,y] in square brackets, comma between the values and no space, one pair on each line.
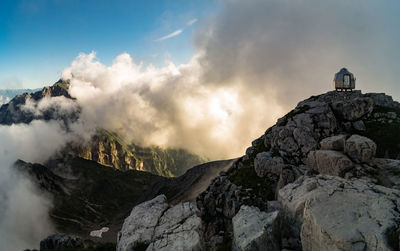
[255,60]
[165,106]
[171,35]
[290,50]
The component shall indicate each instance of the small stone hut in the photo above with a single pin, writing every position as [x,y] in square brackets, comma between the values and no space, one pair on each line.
[344,80]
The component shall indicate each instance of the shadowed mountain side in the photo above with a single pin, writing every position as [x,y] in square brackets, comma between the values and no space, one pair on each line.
[88,196]
[190,184]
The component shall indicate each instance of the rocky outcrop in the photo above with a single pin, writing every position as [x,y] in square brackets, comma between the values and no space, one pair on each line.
[61,242]
[360,149]
[338,214]
[109,149]
[255,230]
[264,164]
[329,162]
[353,109]
[155,226]
[335,143]
[311,140]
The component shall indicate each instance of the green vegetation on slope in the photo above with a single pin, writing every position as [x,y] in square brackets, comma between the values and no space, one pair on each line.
[385,135]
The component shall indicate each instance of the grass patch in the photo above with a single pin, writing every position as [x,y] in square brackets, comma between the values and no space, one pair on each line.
[63,84]
[226,243]
[141,247]
[247,178]
[392,237]
[385,135]
[383,109]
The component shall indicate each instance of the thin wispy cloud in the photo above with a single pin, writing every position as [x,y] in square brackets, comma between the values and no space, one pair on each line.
[191,22]
[171,35]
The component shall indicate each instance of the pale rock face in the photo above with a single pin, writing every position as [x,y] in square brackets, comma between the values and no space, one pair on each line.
[264,163]
[99,233]
[388,171]
[366,212]
[329,162]
[152,223]
[139,226]
[255,230]
[335,143]
[360,149]
[353,109]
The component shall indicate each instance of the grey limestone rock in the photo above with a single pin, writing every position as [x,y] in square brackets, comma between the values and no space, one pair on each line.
[264,164]
[255,230]
[360,149]
[154,224]
[329,162]
[359,125]
[335,143]
[337,214]
[353,109]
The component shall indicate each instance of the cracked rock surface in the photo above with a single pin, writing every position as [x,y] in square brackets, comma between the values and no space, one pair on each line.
[155,225]
[255,230]
[337,214]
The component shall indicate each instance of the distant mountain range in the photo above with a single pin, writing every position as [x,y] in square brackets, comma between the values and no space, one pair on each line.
[7,94]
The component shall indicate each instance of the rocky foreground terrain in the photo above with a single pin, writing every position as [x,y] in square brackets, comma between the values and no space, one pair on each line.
[325,177]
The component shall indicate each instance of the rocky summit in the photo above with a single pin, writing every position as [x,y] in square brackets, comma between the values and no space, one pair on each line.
[324,177]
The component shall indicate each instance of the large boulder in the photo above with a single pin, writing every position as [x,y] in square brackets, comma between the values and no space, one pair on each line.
[333,143]
[155,226]
[337,214]
[265,164]
[353,109]
[329,162]
[360,149]
[139,226]
[255,230]
[61,242]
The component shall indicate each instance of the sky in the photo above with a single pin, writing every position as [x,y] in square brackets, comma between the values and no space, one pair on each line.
[39,38]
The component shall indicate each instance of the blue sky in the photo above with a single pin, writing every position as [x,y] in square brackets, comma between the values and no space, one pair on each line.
[39,38]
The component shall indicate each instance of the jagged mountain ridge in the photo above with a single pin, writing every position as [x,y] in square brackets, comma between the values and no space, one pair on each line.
[106,147]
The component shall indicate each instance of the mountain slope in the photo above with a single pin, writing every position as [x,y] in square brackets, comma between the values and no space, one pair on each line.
[89,196]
